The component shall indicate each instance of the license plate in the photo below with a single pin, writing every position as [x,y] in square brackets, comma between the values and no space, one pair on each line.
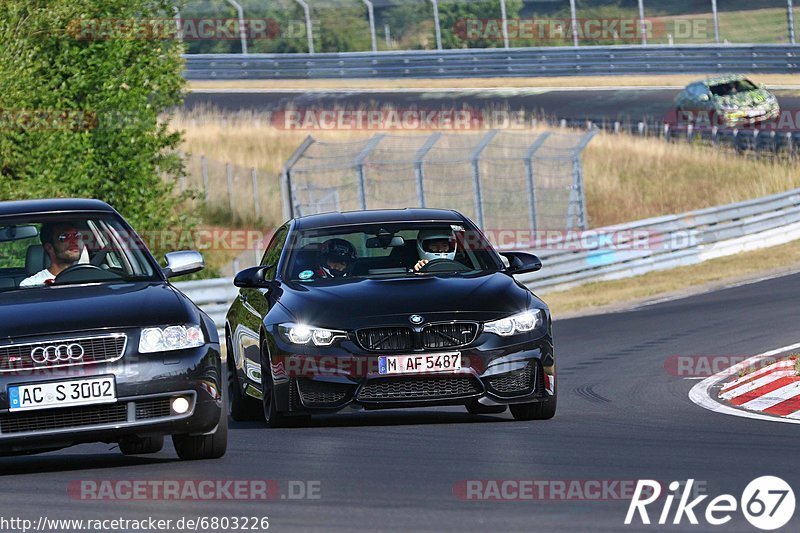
[62,394]
[419,364]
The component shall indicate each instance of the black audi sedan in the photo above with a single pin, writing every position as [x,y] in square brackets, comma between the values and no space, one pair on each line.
[387,309]
[95,344]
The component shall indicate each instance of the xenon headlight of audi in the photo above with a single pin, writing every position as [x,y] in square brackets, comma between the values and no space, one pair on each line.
[164,339]
[514,324]
[304,334]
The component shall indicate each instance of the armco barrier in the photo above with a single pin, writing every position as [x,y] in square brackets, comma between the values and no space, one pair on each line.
[675,240]
[499,62]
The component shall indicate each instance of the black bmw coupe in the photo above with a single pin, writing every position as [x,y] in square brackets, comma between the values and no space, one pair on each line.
[95,344]
[387,309]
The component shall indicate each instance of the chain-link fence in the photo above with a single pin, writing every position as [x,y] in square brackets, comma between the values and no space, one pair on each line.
[298,26]
[500,179]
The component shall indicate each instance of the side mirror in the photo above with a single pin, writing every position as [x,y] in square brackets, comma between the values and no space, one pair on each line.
[182,263]
[704,98]
[522,262]
[252,278]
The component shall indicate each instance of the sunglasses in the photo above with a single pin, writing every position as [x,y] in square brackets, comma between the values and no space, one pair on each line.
[72,236]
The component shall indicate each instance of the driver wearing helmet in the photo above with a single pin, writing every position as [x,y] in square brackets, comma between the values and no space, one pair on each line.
[435,244]
[336,258]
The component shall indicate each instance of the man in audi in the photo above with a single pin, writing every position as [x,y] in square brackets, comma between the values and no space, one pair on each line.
[63,244]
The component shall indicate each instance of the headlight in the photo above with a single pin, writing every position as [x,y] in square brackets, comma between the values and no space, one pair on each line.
[170,338]
[519,323]
[302,334]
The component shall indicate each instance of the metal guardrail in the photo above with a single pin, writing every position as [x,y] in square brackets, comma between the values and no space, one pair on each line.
[494,62]
[671,241]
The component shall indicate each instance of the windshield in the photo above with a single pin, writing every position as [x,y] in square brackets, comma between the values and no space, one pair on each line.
[38,252]
[390,250]
[731,88]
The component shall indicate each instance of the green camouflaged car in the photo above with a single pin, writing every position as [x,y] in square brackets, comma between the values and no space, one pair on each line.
[727,100]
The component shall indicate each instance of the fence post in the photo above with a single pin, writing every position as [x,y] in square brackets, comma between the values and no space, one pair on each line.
[178,23]
[418,161]
[242,27]
[229,172]
[643,23]
[476,175]
[574,16]
[436,24]
[287,199]
[790,10]
[256,202]
[716,20]
[360,175]
[505,22]
[578,189]
[309,33]
[371,14]
[204,167]
[530,176]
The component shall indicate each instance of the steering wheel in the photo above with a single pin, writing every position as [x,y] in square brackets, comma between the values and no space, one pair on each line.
[444,265]
[83,272]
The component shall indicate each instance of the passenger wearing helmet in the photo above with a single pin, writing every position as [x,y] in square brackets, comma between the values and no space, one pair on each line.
[435,244]
[336,258]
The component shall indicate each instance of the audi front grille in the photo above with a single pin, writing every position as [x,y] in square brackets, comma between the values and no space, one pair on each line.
[55,353]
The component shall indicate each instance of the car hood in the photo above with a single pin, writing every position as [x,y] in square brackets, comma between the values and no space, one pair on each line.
[365,302]
[73,308]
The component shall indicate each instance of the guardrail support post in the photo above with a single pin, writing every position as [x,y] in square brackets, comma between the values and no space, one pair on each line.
[359,163]
[418,170]
[529,174]
[371,14]
[790,10]
[476,175]
[242,27]
[309,33]
[716,20]
[436,25]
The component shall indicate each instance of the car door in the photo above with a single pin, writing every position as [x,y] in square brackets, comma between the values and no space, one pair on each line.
[252,306]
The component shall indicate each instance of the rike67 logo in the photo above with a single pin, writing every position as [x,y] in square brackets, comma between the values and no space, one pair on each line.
[767,503]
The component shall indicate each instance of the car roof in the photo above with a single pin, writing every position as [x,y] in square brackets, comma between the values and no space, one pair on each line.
[726,78]
[52,205]
[377,216]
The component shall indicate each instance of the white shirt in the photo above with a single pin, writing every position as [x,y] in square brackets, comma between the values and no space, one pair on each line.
[37,279]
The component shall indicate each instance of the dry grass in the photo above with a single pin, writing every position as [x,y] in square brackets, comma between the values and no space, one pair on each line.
[712,273]
[627,178]
[416,83]
[630,178]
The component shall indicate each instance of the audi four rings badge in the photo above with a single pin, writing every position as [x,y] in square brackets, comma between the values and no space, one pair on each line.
[57,353]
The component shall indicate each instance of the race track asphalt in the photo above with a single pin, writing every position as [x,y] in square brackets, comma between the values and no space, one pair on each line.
[598,105]
[621,416]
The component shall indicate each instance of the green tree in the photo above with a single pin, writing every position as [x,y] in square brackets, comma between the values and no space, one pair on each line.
[81,99]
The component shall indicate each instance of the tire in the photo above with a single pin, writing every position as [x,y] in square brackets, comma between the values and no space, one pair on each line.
[242,408]
[141,446]
[272,417]
[213,446]
[534,410]
[476,408]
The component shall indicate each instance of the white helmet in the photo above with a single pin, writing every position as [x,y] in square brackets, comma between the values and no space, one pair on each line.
[430,242]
